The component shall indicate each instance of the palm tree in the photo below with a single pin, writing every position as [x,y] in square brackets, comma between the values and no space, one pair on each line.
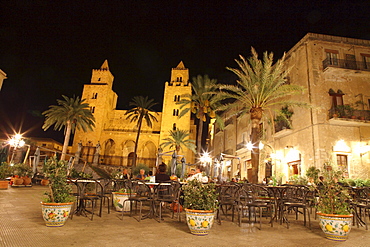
[200,102]
[142,110]
[261,86]
[70,113]
[178,139]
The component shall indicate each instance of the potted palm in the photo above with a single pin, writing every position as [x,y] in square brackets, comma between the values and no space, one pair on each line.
[333,207]
[200,203]
[5,172]
[57,205]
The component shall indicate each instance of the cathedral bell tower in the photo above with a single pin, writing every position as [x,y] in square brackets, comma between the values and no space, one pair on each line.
[102,101]
[177,86]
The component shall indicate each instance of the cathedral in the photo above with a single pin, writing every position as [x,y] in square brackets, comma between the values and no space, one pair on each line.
[113,139]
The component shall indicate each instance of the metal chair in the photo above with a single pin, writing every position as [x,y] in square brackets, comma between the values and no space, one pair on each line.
[296,197]
[89,195]
[227,199]
[252,197]
[362,206]
[166,193]
[139,193]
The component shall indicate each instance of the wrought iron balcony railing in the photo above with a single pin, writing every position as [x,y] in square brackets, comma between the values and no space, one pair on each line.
[351,113]
[346,64]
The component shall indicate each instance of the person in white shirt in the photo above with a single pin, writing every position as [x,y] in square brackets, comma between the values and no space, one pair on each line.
[198,175]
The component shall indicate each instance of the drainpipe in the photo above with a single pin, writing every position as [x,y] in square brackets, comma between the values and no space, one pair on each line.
[310,101]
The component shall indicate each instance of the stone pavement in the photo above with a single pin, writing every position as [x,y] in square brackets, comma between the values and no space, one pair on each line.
[21,224]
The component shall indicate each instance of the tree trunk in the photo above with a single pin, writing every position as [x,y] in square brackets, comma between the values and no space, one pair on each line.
[66,140]
[137,142]
[256,115]
[255,154]
[199,134]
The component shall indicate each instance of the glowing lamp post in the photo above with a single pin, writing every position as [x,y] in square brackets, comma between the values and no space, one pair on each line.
[16,142]
[205,160]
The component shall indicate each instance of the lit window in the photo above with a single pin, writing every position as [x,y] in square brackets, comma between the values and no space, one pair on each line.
[342,162]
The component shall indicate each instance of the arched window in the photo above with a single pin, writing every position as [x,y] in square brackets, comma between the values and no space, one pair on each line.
[174,126]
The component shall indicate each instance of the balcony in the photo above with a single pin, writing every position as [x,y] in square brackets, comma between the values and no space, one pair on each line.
[281,125]
[346,64]
[351,117]
[282,129]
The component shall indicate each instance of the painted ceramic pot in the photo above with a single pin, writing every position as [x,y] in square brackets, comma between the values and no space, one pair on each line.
[335,227]
[199,221]
[118,201]
[56,214]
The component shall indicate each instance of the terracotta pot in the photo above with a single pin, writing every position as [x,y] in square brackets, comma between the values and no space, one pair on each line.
[199,221]
[56,214]
[18,181]
[4,184]
[27,180]
[44,182]
[335,227]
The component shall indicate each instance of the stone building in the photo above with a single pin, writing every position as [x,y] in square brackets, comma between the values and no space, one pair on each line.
[336,74]
[113,138]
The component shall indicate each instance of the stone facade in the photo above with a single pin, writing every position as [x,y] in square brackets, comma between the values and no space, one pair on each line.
[336,74]
[116,136]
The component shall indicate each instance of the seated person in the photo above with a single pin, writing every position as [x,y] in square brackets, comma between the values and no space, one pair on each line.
[198,175]
[191,173]
[161,175]
[141,175]
[125,174]
[149,175]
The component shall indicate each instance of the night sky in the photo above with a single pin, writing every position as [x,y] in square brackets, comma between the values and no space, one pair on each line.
[48,48]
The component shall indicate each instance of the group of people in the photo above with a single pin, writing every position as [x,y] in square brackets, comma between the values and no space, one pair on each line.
[162,176]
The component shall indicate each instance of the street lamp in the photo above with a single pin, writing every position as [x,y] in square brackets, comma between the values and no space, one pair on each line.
[250,145]
[16,142]
[205,160]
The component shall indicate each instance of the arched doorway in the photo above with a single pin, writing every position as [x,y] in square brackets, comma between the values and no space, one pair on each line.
[109,151]
[130,159]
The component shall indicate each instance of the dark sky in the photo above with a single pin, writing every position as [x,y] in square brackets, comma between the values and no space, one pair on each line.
[48,48]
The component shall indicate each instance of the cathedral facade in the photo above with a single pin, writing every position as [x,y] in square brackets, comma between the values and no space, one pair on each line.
[113,139]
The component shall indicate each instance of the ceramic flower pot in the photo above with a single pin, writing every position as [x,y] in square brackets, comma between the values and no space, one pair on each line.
[199,221]
[118,199]
[335,227]
[56,214]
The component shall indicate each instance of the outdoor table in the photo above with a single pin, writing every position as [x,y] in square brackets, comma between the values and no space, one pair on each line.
[278,195]
[81,185]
